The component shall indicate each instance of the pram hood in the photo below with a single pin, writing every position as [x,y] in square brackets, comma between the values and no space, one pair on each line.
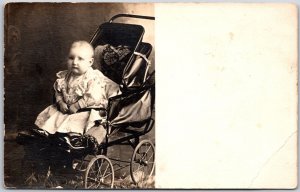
[136,102]
[131,71]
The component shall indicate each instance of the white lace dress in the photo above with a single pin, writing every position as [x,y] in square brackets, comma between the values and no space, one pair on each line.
[90,90]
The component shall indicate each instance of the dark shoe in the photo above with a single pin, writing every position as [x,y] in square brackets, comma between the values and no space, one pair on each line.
[25,137]
[40,132]
[91,143]
[86,142]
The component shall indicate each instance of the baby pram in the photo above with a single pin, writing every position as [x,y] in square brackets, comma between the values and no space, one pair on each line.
[129,113]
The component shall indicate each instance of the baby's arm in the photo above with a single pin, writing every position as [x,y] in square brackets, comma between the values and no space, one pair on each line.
[63,107]
[94,96]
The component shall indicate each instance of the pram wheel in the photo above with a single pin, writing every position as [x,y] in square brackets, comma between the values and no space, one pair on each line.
[142,162]
[99,173]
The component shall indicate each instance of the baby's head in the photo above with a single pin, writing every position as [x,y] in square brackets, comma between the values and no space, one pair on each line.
[81,57]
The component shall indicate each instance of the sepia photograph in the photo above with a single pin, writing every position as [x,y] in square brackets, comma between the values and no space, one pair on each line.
[151,95]
[79,107]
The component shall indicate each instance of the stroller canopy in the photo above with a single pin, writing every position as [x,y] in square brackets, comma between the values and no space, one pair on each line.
[121,55]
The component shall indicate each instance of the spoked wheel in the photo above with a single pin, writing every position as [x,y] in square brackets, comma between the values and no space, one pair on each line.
[99,173]
[142,161]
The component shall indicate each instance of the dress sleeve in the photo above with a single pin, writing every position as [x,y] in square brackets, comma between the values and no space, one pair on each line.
[98,90]
[111,88]
[94,94]
[59,86]
[58,94]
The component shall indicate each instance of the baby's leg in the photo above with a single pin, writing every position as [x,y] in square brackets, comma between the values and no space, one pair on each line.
[98,132]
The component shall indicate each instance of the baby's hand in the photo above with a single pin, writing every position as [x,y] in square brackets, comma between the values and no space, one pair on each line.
[73,108]
[63,107]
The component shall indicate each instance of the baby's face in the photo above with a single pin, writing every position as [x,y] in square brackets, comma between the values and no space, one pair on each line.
[79,60]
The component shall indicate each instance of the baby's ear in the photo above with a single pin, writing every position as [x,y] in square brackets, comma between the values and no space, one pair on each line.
[91,61]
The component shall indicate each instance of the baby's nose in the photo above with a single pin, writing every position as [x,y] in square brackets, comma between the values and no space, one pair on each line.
[75,61]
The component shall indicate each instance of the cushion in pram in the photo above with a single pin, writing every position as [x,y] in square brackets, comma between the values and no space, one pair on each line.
[131,75]
[111,60]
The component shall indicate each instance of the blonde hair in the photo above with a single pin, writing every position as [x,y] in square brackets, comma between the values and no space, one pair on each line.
[83,44]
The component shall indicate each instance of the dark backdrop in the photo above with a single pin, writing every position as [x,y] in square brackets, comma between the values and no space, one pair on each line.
[37,39]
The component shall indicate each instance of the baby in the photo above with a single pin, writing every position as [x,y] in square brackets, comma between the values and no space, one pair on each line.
[79,87]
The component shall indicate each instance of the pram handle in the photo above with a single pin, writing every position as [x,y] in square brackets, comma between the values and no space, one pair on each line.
[132,16]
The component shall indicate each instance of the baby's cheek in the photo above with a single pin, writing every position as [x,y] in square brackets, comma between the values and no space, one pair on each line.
[69,65]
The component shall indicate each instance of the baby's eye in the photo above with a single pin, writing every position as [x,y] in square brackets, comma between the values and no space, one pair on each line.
[71,57]
[80,58]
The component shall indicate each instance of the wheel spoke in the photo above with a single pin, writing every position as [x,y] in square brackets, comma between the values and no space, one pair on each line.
[150,156]
[93,179]
[92,169]
[107,175]
[140,167]
[103,183]
[105,170]
[138,154]
[99,183]
[98,173]
[146,152]
[93,184]
[99,168]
